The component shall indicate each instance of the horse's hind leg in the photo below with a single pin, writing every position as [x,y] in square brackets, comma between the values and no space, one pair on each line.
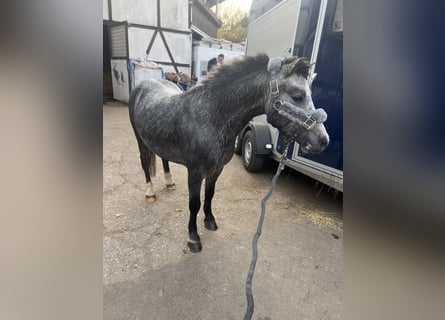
[146,157]
[209,220]
[194,184]
[168,176]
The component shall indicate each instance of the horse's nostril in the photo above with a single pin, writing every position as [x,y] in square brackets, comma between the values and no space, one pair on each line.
[324,142]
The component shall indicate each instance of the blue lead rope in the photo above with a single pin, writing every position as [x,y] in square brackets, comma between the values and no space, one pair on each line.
[250,304]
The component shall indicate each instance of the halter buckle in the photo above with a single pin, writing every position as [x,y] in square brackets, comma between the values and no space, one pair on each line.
[274,89]
[309,122]
[277,105]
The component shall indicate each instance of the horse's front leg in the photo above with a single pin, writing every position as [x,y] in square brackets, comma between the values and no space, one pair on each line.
[194,182]
[209,220]
[168,176]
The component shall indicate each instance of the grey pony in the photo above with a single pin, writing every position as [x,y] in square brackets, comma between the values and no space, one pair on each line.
[197,128]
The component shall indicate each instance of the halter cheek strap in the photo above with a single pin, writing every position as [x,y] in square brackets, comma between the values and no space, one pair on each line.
[273,67]
[287,109]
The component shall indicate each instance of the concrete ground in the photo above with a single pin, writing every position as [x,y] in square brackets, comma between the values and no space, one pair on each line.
[150,274]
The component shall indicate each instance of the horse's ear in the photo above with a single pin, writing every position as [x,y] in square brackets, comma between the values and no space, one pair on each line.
[299,66]
[311,79]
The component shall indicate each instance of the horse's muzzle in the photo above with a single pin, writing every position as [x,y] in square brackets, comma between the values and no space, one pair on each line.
[314,148]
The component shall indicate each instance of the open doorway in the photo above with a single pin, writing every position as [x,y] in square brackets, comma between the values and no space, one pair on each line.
[107,81]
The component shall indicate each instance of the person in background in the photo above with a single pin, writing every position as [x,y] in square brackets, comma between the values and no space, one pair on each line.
[215,61]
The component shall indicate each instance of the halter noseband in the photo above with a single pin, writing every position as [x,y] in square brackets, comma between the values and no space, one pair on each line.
[306,119]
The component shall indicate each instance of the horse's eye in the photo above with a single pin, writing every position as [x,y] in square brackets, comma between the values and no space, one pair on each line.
[298,98]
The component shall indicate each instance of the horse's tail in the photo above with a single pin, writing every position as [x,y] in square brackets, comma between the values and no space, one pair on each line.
[151,156]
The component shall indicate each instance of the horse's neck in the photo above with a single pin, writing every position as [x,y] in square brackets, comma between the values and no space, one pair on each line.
[240,106]
[241,116]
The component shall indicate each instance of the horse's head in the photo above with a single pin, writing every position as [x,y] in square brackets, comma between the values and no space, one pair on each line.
[290,108]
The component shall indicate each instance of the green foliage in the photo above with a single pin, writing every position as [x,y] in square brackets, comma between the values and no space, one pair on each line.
[234,23]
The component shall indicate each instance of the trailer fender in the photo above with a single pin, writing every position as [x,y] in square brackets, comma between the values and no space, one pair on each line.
[262,137]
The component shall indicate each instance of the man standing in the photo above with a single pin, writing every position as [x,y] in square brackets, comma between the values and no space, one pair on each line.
[213,62]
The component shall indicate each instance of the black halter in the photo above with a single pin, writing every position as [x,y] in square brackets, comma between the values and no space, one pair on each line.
[287,109]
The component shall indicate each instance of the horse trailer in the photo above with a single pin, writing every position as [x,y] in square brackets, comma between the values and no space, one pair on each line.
[311,29]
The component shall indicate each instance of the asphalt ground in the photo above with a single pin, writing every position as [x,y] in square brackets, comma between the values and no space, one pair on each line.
[149,273]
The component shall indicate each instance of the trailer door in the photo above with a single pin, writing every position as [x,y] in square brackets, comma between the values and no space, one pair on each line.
[273,33]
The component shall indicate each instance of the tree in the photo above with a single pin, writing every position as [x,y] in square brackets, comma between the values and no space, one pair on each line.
[234,23]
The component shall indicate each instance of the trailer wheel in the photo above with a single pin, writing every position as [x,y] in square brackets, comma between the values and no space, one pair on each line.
[251,161]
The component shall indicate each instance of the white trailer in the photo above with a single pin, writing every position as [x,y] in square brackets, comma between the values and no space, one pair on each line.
[208,48]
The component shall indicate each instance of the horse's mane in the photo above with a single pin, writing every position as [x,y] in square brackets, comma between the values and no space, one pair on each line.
[236,68]
[239,67]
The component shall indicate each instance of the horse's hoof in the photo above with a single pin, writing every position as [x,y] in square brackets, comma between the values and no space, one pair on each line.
[210,225]
[150,199]
[194,246]
[171,186]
